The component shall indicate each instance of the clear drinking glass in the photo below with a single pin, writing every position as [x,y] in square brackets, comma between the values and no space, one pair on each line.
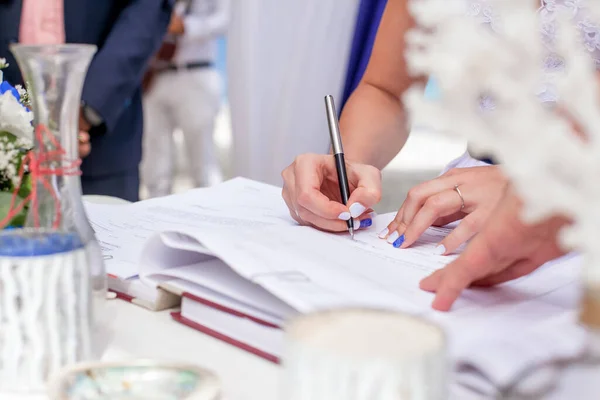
[359,354]
[52,279]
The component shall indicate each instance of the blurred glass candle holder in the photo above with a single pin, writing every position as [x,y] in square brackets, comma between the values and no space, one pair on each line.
[361,354]
[138,380]
[52,279]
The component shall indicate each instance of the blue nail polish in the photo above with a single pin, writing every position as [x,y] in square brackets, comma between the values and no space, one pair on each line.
[399,241]
[365,223]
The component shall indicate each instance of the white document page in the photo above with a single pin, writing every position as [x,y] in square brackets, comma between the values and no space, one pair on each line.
[218,277]
[311,270]
[233,206]
[120,239]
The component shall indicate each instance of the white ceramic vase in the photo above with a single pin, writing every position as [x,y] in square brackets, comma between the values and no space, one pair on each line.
[44,318]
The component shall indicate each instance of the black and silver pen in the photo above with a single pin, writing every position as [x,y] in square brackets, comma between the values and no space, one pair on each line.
[338,154]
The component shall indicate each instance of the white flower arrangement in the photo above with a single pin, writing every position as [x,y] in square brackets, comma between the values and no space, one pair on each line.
[16,139]
[15,118]
[529,99]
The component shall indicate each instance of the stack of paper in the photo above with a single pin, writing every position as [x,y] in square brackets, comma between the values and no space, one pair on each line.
[124,230]
[244,267]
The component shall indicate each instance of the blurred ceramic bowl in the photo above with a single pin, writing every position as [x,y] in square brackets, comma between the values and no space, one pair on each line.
[139,380]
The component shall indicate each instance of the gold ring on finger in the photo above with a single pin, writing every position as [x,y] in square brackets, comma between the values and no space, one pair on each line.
[462,199]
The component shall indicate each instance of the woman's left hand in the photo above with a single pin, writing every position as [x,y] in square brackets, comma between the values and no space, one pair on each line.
[470,194]
[504,250]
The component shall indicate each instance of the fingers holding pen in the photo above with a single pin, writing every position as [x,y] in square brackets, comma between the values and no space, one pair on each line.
[366,181]
[310,206]
[307,217]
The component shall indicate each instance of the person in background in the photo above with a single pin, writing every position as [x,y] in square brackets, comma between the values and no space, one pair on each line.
[183,90]
[127,35]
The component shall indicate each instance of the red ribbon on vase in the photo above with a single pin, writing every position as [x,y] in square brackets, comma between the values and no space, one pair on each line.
[36,162]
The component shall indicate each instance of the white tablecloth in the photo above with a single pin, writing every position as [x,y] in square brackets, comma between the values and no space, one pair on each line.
[136,333]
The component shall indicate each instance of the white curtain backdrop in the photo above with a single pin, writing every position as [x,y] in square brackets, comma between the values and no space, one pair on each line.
[283,57]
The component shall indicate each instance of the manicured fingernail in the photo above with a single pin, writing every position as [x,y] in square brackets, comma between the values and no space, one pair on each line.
[357,209]
[365,223]
[399,241]
[439,250]
[345,216]
[384,233]
[392,238]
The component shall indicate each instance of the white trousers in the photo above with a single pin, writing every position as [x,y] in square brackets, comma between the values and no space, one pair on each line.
[188,100]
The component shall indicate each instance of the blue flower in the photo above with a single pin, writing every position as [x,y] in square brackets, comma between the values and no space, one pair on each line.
[5,87]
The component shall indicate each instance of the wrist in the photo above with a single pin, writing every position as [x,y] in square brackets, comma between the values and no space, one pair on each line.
[90,118]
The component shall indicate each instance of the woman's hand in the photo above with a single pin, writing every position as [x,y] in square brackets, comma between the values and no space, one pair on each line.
[506,249]
[312,193]
[469,194]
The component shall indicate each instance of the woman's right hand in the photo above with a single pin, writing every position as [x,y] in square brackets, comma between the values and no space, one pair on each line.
[312,193]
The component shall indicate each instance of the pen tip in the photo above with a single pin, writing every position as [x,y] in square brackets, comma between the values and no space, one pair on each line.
[351,233]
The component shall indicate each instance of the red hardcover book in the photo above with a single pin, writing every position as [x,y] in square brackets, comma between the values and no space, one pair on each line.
[247,332]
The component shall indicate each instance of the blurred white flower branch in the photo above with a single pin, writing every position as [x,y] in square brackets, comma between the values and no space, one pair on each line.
[499,90]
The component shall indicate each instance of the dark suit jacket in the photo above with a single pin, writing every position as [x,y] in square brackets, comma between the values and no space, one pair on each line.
[127,33]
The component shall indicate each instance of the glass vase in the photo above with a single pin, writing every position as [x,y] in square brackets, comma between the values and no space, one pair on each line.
[52,279]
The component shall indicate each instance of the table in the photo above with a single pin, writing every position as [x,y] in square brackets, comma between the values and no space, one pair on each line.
[135,332]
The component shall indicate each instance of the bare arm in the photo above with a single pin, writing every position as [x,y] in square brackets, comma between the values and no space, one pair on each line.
[373,122]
